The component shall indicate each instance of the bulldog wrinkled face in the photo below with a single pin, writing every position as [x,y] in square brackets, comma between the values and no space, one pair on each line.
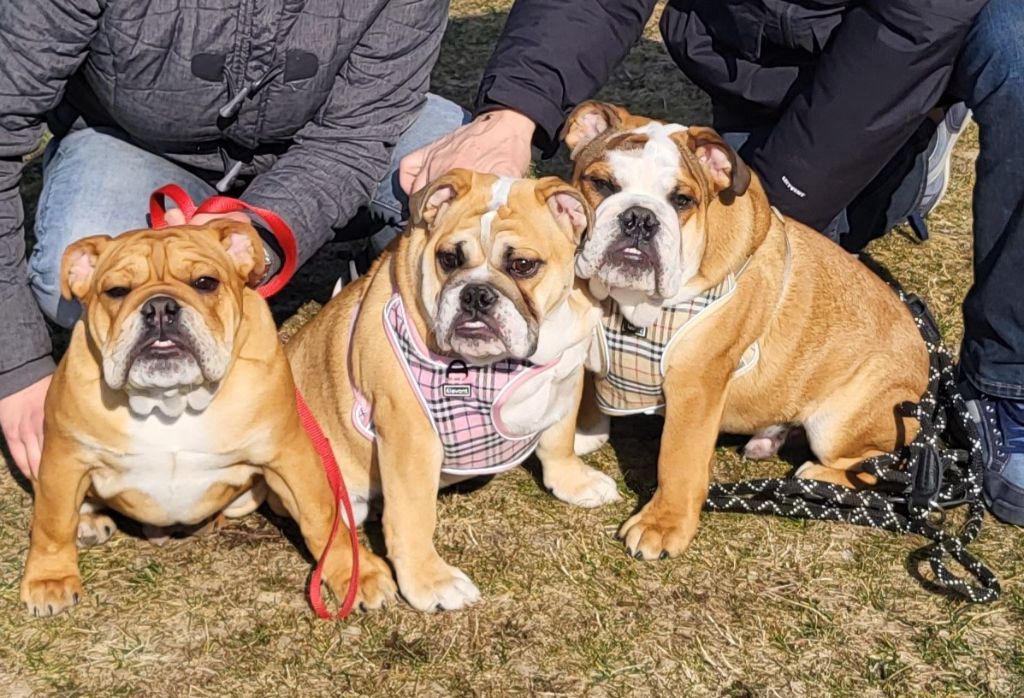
[650,184]
[498,261]
[163,306]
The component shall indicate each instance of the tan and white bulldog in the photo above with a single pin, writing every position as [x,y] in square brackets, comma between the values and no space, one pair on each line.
[729,317]
[173,404]
[461,350]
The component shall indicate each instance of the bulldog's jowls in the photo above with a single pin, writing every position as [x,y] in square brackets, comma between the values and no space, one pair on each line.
[728,317]
[458,354]
[173,405]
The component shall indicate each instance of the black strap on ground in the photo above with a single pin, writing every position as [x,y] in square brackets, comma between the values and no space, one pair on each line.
[939,470]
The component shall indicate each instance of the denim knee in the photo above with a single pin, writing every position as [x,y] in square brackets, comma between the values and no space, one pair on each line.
[991,64]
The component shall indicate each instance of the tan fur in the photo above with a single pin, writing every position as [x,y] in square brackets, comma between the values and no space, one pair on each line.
[90,431]
[403,464]
[839,351]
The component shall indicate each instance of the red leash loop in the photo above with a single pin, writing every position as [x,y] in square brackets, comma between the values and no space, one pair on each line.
[323,447]
[281,231]
[286,239]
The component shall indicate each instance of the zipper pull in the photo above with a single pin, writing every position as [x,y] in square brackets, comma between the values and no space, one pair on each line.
[225,182]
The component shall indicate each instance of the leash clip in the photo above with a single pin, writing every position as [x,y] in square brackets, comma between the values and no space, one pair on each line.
[926,478]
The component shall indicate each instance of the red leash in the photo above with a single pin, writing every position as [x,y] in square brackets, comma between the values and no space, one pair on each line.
[286,239]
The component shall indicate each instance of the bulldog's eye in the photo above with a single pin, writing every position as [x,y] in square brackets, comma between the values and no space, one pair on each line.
[603,187]
[522,267]
[117,291]
[450,260]
[206,284]
[681,201]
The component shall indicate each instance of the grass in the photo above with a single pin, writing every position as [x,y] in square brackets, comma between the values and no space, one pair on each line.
[757,607]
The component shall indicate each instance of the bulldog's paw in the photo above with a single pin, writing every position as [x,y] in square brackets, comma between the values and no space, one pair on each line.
[444,588]
[766,443]
[651,535]
[377,587]
[590,439]
[95,527]
[47,597]
[584,487]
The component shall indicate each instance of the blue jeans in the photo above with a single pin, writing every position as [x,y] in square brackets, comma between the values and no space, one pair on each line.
[95,182]
[989,78]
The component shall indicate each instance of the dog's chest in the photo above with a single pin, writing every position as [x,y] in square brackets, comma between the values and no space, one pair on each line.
[176,471]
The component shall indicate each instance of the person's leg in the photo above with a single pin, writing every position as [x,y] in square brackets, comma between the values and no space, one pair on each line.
[94,183]
[990,79]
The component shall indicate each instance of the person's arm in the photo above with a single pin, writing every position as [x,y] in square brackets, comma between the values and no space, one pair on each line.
[340,156]
[42,42]
[554,54]
[885,67]
[551,55]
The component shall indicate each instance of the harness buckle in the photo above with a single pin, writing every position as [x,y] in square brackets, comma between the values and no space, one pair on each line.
[929,328]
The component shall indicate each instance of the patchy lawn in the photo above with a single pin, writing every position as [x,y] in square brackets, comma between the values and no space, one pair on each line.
[758,606]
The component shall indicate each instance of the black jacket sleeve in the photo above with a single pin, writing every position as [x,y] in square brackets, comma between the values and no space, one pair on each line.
[885,67]
[554,54]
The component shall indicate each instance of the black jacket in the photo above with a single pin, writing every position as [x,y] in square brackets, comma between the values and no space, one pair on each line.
[839,115]
[342,80]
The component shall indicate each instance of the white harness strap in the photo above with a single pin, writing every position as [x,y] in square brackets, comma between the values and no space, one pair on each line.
[499,197]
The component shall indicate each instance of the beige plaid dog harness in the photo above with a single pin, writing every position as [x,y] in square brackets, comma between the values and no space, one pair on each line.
[633,358]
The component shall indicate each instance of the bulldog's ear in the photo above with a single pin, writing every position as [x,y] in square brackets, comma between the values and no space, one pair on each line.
[79,264]
[567,205]
[428,204]
[588,121]
[724,166]
[244,247]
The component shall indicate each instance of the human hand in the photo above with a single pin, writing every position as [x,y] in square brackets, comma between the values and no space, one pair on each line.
[174,216]
[497,142]
[21,419]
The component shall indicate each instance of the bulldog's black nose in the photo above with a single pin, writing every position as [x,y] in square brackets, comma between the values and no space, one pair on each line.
[477,297]
[160,312]
[639,223]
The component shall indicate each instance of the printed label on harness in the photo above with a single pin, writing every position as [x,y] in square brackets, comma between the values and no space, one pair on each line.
[632,329]
[456,390]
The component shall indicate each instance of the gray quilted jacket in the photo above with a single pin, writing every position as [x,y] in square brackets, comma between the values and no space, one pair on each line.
[331,84]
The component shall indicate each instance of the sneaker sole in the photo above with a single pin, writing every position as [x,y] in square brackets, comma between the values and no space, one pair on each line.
[947,166]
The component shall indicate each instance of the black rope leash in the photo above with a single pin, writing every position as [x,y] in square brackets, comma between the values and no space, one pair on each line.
[940,469]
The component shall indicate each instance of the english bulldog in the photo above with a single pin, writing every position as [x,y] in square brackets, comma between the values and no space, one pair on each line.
[727,316]
[458,355]
[174,404]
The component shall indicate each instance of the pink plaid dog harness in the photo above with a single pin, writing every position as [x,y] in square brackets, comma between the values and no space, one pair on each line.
[464,403]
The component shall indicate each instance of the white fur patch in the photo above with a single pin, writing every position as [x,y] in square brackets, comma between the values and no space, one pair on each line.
[174,462]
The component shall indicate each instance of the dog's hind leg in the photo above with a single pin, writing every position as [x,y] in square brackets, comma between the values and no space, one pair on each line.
[95,527]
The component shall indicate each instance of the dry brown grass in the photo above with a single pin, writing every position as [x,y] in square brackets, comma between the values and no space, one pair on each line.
[757,607]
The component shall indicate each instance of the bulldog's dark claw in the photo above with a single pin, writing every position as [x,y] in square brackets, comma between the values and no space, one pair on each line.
[638,555]
[74,597]
[438,607]
[362,607]
[49,607]
[664,554]
[107,530]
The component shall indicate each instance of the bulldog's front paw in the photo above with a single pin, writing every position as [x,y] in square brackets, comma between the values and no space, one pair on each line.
[377,587]
[653,534]
[50,596]
[444,588]
[582,486]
